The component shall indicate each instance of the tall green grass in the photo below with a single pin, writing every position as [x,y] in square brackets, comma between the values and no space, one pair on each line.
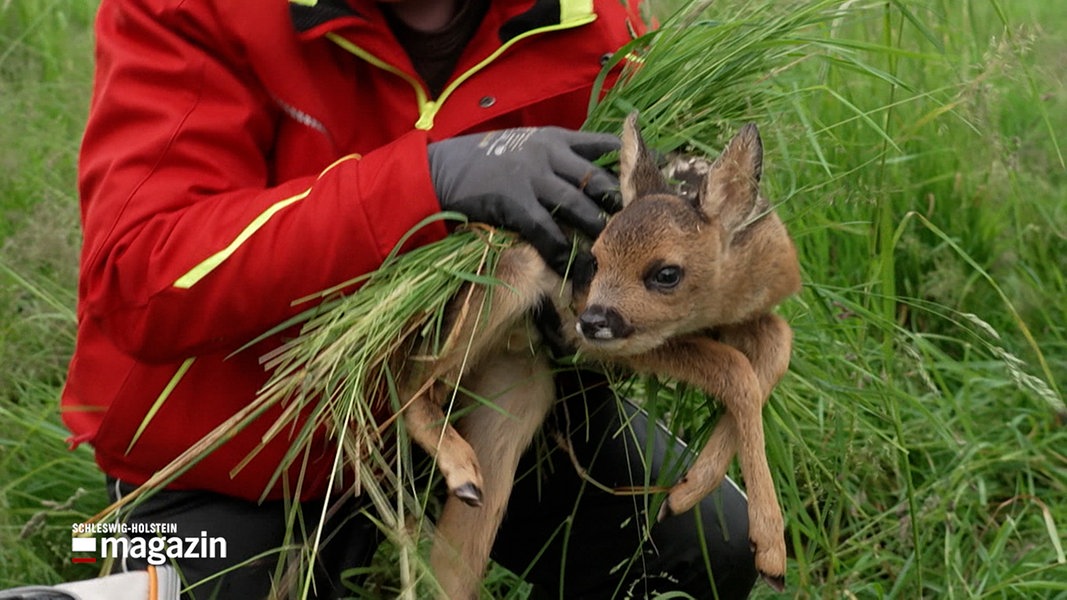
[45,74]
[916,438]
[915,151]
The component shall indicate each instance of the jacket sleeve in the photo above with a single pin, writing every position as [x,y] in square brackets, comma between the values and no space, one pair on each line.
[189,246]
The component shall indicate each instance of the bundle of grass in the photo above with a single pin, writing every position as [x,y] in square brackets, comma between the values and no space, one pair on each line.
[687,96]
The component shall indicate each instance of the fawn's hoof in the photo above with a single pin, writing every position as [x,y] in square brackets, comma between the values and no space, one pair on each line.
[683,496]
[770,563]
[777,582]
[469,493]
[665,511]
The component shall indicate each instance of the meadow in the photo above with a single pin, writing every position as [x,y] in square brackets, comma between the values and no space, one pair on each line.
[915,149]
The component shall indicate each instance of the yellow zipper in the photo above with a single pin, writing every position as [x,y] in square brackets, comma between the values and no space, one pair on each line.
[428,108]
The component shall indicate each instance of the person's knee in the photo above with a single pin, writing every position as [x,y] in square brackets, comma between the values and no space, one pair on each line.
[255,538]
[607,555]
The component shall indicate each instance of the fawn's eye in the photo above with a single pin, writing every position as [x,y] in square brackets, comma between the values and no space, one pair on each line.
[664,278]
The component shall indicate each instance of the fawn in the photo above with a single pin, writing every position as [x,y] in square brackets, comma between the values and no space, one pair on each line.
[684,288]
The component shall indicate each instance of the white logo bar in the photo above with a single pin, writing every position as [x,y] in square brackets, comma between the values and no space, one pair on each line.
[79,544]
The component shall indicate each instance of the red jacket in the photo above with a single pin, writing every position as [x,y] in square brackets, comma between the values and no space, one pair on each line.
[241,154]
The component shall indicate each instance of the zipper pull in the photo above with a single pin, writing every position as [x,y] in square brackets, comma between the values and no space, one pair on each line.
[427,111]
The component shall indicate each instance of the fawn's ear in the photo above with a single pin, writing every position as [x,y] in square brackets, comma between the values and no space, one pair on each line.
[731,187]
[638,173]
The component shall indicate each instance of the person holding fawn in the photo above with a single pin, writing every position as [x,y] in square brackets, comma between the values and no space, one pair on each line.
[240,155]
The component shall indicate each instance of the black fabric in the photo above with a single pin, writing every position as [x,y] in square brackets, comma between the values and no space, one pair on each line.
[435,54]
[541,14]
[306,17]
[557,523]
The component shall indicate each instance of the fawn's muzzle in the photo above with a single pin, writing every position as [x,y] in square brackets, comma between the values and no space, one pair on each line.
[599,323]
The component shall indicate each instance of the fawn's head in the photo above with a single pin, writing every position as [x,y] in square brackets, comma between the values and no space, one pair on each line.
[668,264]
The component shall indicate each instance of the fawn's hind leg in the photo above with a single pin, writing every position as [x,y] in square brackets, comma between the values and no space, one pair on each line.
[480,319]
[519,385]
[429,428]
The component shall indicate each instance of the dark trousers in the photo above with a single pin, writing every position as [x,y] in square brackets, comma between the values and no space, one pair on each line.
[566,535]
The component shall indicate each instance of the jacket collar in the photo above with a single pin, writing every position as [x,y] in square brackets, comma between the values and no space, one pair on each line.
[312,18]
[308,15]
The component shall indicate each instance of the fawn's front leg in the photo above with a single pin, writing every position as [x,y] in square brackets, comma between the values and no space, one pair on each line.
[519,385]
[724,372]
[767,342]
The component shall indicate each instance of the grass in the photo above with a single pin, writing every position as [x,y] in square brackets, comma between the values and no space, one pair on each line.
[916,153]
[45,76]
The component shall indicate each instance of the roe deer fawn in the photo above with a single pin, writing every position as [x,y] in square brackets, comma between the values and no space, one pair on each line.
[684,288]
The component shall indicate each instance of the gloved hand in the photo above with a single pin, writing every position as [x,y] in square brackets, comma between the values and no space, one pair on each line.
[523,179]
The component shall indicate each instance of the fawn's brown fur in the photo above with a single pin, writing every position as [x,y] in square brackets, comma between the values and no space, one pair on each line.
[684,288]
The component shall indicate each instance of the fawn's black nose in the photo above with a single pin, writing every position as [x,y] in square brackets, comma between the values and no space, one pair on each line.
[599,323]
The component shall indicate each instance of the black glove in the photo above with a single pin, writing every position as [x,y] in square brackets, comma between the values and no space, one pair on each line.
[522,179]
